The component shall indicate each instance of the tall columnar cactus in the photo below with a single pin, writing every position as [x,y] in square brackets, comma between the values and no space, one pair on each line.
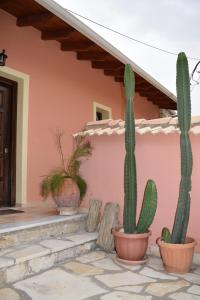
[184,118]
[130,178]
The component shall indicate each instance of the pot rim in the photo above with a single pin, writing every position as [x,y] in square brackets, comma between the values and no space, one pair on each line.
[163,244]
[116,232]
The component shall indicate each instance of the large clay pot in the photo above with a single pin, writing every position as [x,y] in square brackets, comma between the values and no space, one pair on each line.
[131,247]
[69,199]
[177,258]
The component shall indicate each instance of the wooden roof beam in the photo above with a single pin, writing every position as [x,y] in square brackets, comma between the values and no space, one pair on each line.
[31,20]
[106,65]
[117,73]
[119,79]
[2,2]
[56,34]
[163,102]
[76,45]
[171,106]
[90,55]
[146,90]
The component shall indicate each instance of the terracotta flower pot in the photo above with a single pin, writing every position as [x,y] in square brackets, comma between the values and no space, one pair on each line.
[69,199]
[177,258]
[131,247]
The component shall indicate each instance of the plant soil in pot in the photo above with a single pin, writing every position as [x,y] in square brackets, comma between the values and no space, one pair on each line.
[176,249]
[131,242]
[177,258]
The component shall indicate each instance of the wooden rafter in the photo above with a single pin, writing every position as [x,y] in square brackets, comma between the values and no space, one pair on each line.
[76,45]
[119,79]
[106,65]
[31,20]
[56,34]
[91,55]
[114,73]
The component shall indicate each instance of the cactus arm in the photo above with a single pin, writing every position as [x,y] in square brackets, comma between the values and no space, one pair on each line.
[130,183]
[166,235]
[149,207]
[184,117]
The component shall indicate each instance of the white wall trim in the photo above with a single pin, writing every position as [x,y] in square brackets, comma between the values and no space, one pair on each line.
[22,80]
[99,105]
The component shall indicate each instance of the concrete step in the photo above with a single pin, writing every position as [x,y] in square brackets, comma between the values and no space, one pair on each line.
[14,234]
[19,262]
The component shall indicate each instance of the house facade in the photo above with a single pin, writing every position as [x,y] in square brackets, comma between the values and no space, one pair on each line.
[56,77]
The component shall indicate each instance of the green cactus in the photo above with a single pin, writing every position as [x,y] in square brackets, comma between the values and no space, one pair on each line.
[130,178]
[184,118]
[149,207]
[166,235]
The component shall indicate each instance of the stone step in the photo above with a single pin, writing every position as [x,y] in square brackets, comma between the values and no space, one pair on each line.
[19,262]
[14,234]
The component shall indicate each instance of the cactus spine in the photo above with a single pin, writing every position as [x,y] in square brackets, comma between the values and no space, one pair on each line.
[184,118]
[130,178]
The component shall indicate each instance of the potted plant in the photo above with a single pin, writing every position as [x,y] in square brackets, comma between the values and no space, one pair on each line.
[131,241]
[65,184]
[177,249]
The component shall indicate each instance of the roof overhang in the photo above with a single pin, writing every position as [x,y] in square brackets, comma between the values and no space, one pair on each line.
[56,23]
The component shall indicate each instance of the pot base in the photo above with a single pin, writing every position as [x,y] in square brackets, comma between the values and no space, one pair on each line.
[67,211]
[132,262]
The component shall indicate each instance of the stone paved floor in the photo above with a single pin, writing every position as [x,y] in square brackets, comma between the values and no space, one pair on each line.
[98,275]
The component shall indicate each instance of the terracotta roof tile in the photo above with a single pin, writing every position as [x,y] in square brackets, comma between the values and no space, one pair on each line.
[196,129]
[167,125]
[159,121]
[173,121]
[196,119]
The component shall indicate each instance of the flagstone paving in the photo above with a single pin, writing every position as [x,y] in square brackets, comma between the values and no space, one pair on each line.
[98,276]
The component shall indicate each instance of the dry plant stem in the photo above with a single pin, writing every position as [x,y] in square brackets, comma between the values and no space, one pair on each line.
[58,138]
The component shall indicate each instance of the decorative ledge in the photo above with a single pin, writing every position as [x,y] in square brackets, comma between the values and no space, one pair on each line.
[167,125]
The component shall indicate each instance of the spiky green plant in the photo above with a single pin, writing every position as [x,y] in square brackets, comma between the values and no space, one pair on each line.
[52,184]
[166,235]
[184,118]
[130,178]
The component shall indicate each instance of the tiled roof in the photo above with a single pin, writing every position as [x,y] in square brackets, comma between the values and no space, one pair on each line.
[163,125]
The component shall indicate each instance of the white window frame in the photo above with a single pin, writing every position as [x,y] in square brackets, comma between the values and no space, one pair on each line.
[97,105]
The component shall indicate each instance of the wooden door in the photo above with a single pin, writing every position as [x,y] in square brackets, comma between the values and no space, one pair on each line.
[7,141]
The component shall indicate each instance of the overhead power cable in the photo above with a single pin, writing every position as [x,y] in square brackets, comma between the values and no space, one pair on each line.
[127,36]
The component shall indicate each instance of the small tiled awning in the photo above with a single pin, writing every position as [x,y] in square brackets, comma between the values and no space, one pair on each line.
[163,125]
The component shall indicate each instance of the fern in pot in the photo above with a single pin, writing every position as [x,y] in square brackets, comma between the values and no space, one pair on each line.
[65,184]
[131,241]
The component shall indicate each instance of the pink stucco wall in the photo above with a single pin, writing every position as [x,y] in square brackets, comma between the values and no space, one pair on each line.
[157,158]
[62,90]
